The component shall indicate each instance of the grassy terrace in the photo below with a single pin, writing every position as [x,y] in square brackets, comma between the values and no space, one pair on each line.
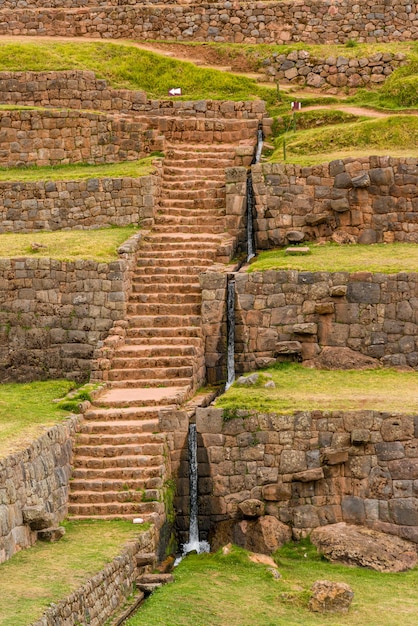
[394,135]
[46,573]
[302,389]
[78,171]
[67,245]
[217,590]
[384,258]
[27,409]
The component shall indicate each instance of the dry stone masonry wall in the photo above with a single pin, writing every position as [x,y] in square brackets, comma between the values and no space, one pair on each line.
[312,21]
[312,468]
[373,199]
[307,315]
[99,597]
[42,137]
[39,475]
[78,204]
[54,314]
[300,67]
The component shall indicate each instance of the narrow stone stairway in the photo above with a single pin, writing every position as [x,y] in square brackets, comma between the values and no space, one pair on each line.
[120,465]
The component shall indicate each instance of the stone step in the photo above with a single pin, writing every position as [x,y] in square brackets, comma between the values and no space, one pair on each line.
[142,396]
[152,518]
[107,451]
[174,172]
[179,270]
[116,473]
[116,509]
[151,333]
[116,485]
[108,497]
[190,220]
[165,252]
[163,321]
[155,350]
[163,228]
[190,194]
[184,159]
[115,462]
[146,413]
[200,212]
[120,439]
[192,203]
[183,238]
[175,283]
[149,308]
[166,298]
[170,182]
[152,362]
[122,426]
[152,382]
[196,342]
[178,246]
[149,373]
[179,261]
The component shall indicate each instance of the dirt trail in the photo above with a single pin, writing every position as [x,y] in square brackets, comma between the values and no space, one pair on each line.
[206,56]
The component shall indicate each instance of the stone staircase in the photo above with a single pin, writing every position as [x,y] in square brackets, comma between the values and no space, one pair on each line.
[121,457]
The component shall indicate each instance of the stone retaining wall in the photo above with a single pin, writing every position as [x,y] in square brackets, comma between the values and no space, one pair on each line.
[95,601]
[302,68]
[312,468]
[312,21]
[39,475]
[42,137]
[75,204]
[296,315]
[373,199]
[80,89]
[54,314]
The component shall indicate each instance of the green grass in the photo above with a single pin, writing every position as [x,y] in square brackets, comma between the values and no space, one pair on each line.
[98,244]
[215,590]
[78,171]
[331,257]
[46,573]
[385,135]
[304,389]
[312,119]
[26,409]
[129,67]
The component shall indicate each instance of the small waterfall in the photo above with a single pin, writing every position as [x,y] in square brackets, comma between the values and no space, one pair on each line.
[230,330]
[250,197]
[194,544]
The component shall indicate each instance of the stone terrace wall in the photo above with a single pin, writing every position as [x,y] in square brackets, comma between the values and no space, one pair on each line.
[75,204]
[42,137]
[291,314]
[95,601]
[312,21]
[301,68]
[38,475]
[374,199]
[80,89]
[54,314]
[312,468]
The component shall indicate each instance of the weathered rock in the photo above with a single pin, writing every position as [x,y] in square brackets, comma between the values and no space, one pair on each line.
[252,507]
[334,457]
[314,219]
[324,308]
[265,535]
[294,251]
[277,492]
[270,384]
[36,517]
[334,358]
[310,328]
[288,347]
[342,238]
[248,381]
[338,291]
[360,436]
[362,180]
[295,236]
[309,475]
[51,534]
[357,545]
[330,597]
[341,205]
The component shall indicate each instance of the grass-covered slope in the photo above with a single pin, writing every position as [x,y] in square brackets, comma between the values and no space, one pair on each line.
[220,590]
[303,389]
[46,573]
[67,245]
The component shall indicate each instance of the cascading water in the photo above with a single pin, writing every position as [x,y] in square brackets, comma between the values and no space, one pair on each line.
[194,544]
[230,329]
[250,197]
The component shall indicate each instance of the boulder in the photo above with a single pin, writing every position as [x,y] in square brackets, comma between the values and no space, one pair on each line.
[334,358]
[51,534]
[252,507]
[357,545]
[248,381]
[265,535]
[36,517]
[330,597]
[342,238]
[295,236]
